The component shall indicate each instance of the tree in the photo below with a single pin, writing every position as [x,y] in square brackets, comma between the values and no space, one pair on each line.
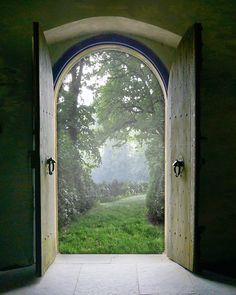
[130,106]
[77,151]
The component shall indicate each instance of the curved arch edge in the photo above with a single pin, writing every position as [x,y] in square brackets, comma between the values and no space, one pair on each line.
[107,24]
[111,39]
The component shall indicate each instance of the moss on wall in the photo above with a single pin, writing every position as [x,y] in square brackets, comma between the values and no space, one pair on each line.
[218,106]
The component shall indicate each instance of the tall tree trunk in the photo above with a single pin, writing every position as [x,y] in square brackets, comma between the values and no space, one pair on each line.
[75,89]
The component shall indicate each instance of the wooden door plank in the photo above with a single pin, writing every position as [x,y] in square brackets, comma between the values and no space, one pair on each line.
[181,143]
[44,109]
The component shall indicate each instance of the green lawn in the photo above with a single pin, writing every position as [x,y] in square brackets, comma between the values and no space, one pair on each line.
[115,227]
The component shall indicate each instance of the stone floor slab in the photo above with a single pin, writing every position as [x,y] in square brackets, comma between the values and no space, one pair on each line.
[59,279]
[139,258]
[108,280]
[84,258]
[164,278]
[113,275]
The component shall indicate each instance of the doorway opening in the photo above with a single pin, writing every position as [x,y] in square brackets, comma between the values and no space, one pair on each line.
[111,116]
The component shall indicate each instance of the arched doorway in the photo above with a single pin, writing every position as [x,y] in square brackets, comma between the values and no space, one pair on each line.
[182,149]
[119,50]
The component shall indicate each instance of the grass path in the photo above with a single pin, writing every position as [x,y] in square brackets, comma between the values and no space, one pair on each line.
[115,227]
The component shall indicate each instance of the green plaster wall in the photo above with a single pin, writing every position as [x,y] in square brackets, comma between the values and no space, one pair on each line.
[218,111]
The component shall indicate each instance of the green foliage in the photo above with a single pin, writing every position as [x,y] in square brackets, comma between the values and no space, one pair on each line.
[76,192]
[116,227]
[108,192]
[155,193]
[128,108]
[130,104]
[155,198]
[77,151]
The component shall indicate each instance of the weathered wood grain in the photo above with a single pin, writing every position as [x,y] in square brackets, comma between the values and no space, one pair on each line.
[46,225]
[181,143]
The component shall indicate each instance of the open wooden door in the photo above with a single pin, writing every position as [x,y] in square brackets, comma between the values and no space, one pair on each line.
[182,151]
[44,140]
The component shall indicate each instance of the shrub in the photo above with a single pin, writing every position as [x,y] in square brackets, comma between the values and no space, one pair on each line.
[155,198]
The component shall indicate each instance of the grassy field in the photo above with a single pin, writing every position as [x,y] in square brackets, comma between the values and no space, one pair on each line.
[115,227]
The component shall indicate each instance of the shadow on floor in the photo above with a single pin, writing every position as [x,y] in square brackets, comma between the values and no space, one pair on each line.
[17,278]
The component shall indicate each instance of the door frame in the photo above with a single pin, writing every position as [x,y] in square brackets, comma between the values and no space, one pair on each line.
[119,42]
[115,42]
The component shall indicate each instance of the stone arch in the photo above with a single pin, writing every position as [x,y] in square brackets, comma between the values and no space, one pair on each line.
[108,24]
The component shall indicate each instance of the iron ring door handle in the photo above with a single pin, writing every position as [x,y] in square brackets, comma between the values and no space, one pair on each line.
[178,167]
[51,165]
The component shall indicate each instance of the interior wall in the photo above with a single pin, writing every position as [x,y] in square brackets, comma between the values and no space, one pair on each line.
[16,202]
[218,113]
[164,52]
[217,212]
